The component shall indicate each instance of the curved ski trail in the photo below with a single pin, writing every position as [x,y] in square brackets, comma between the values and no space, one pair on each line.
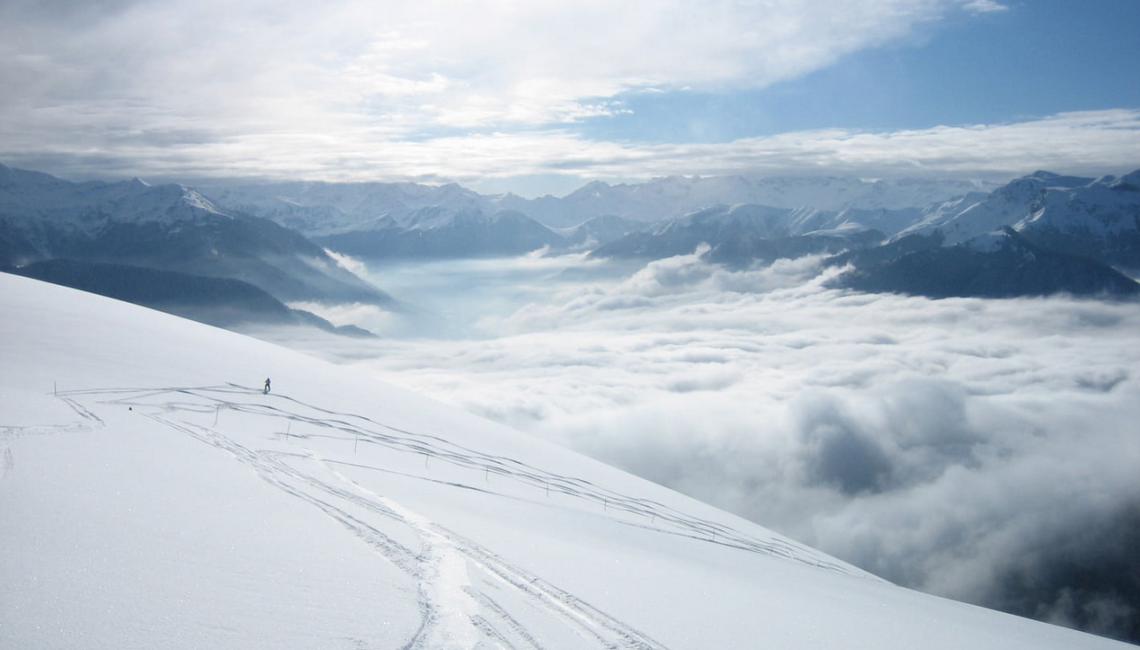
[467,595]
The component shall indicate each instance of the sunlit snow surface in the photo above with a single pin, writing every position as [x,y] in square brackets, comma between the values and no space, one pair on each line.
[152,496]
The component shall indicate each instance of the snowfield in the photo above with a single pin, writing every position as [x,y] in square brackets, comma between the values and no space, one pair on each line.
[151,496]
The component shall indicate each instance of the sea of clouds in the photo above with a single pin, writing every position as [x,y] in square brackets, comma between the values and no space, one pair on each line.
[985,450]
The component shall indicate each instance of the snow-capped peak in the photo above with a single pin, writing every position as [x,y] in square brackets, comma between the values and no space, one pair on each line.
[1042,200]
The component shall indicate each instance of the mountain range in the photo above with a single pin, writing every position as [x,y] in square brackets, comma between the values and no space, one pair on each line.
[1039,234]
[170,228]
[408,220]
[745,233]
[316,208]
[1002,264]
[1094,218]
[437,232]
[675,196]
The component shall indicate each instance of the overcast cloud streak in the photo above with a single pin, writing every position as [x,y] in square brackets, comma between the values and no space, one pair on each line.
[468,92]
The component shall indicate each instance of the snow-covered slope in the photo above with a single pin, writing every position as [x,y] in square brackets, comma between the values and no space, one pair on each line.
[963,219]
[152,496]
[1098,218]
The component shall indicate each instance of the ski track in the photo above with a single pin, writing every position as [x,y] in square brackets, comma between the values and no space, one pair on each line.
[454,612]
[9,463]
[87,423]
[512,624]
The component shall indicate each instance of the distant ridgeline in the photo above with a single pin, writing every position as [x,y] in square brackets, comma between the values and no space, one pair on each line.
[1037,235]
[223,302]
[168,247]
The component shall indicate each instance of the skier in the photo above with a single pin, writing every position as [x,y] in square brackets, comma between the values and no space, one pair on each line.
[266,391]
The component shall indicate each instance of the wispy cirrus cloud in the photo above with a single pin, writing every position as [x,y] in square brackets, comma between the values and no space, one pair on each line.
[984,6]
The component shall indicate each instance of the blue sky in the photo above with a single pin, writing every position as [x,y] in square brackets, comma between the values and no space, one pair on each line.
[545,95]
[1036,58]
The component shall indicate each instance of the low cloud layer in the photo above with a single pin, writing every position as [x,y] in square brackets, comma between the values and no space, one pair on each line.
[983,450]
[1089,143]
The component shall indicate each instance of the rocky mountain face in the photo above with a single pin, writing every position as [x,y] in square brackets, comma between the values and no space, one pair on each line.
[1004,264]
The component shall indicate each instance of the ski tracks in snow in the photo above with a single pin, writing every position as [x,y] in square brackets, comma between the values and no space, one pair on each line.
[449,556]
[467,595]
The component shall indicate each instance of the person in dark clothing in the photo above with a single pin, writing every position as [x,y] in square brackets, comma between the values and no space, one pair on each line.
[266,391]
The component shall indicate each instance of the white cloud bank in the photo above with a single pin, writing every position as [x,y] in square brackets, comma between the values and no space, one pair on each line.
[980,449]
[464,91]
[411,63]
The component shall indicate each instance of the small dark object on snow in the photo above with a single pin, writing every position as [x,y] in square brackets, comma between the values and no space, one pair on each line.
[266,391]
